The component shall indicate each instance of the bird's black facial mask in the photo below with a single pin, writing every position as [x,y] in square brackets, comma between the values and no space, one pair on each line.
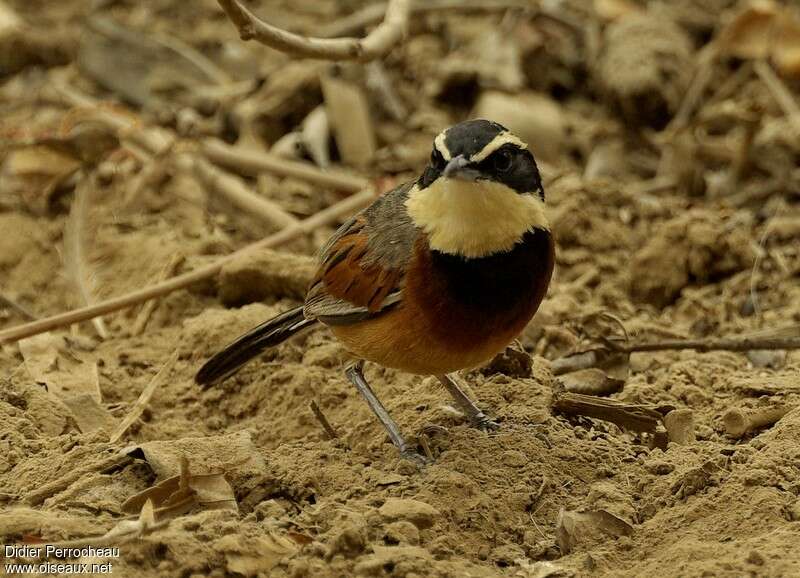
[483,150]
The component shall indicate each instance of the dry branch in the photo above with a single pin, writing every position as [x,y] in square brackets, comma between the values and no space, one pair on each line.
[372,13]
[703,345]
[236,192]
[8,302]
[324,217]
[778,89]
[738,423]
[630,416]
[159,142]
[252,163]
[147,310]
[375,45]
[51,489]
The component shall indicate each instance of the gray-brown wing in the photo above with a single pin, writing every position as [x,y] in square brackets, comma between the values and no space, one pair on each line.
[362,267]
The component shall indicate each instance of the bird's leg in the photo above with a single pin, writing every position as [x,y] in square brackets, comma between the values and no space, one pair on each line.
[476,416]
[355,373]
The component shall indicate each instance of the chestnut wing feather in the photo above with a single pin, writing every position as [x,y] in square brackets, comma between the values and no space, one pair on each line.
[363,265]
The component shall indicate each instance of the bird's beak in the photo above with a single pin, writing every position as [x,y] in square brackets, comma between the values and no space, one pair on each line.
[459,168]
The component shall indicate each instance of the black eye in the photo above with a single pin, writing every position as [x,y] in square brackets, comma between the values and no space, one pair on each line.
[502,161]
[437,160]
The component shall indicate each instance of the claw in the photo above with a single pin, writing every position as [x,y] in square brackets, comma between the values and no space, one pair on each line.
[485,423]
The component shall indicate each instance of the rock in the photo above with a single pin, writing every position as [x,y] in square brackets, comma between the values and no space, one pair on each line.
[535,118]
[418,513]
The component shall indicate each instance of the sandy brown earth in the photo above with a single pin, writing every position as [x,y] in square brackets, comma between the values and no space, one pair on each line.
[673,189]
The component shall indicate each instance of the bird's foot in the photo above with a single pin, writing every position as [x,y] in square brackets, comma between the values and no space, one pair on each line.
[483,422]
[411,461]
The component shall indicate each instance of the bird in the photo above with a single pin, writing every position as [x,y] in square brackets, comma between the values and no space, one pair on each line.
[435,276]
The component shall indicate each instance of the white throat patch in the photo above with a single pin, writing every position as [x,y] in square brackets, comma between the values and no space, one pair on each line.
[474,218]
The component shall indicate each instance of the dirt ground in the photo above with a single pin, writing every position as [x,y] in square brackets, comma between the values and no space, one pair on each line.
[668,135]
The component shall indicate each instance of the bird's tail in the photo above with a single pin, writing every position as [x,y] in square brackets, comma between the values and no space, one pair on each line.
[270,333]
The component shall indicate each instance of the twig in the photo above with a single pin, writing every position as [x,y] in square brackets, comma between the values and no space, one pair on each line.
[372,13]
[252,163]
[147,309]
[326,425]
[153,172]
[159,142]
[598,357]
[195,57]
[703,345]
[424,442]
[630,416]
[235,191]
[8,302]
[738,423]
[699,82]
[757,264]
[141,403]
[575,362]
[379,82]
[124,531]
[51,489]
[778,89]
[375,45]
[321,218]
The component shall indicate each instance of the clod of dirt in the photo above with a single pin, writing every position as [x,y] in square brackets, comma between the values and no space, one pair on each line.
[645,67]
[420,514]
[266,273]
[582,530]
[512,362]
[696,247]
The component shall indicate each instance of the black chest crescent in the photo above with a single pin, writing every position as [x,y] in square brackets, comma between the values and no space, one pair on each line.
[466,298]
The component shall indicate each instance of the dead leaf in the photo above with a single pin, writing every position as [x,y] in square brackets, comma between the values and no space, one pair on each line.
[347,108]
[50,362]
[180,494]
[235,454]
[764,30]
[89,413]
[144,398]
[612,9]
[35,173]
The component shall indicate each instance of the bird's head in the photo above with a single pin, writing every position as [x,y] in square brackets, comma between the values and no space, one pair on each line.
[480,193]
